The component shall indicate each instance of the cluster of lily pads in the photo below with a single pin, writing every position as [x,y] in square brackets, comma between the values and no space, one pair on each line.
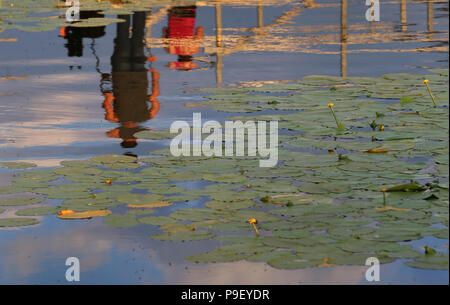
[339,194]
[47,15]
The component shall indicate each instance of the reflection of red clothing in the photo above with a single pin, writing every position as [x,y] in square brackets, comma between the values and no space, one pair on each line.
[181,27]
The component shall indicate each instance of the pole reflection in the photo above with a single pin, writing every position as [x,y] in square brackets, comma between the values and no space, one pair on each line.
[344,38]
[403,21]
[430,27]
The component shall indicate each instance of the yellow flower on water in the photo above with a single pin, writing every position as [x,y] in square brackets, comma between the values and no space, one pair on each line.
[330,105]
[108,181]
[326,263]
[253,222]
[384,189]
[425,81]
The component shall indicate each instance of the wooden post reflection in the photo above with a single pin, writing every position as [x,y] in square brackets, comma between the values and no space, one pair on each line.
[430,27]
[260,16]
[148,26]
[344,38]
[219,63]
[403,15]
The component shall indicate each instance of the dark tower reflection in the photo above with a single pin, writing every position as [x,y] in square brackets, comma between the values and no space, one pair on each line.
[74,35]
[127,102]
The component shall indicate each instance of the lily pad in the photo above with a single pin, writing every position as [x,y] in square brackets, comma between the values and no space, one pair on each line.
[19,201]
[17,222]
[17,165]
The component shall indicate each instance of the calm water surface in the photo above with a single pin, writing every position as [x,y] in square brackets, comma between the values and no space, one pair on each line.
[55,89]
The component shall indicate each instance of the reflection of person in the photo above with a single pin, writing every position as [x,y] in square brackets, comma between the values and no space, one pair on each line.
[75,35]
[127,103]
[182,39]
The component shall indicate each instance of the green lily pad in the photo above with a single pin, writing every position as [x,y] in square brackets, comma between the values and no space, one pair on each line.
[324,188]
[17,222]
[39,211]
[17,165]
[183,236]
[436,261]
[157,220]
[19,201]
[139,199]
[120,221]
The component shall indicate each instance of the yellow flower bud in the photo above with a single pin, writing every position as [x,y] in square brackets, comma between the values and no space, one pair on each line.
[425,81]
[330,105]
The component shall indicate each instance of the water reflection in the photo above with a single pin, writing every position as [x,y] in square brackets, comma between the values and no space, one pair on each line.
[344,38]
[184,39]
[74,35]
[127,102]
[219,42]
[53,115]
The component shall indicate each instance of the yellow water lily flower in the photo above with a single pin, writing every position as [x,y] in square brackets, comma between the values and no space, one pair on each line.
[325,263]
[253,222]
[425,81]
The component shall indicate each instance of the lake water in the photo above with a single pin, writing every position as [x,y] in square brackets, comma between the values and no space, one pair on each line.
[53,107]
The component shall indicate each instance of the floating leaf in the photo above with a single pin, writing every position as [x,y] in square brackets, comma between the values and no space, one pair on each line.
[17,165]
[409,187]
[120,221]
[85,215]
[17,222]
[183,236]
[19,201]
[38,211]
[151,205]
